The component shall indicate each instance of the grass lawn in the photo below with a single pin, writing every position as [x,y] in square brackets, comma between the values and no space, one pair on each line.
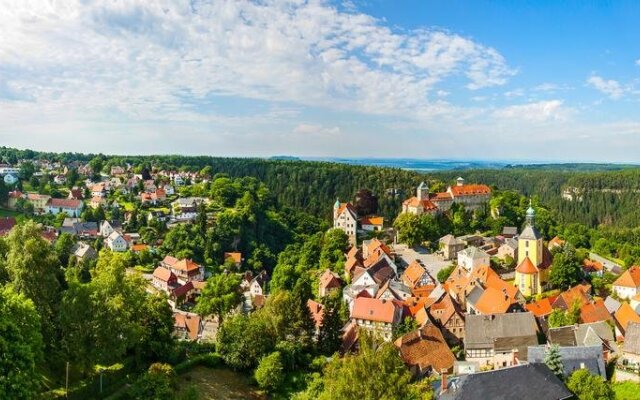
[8,213]
[144,269]
[219,383]
[626,390]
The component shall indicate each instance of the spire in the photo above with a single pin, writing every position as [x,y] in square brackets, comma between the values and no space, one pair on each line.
[337,204]
[531,215]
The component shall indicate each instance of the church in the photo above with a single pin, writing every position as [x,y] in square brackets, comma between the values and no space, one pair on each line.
[534,259]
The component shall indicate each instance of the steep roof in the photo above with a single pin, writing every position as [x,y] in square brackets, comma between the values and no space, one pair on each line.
[493,301]
[632,339]
[594,312]
[578,293]
[426,204]
[348,207]
[169,260]
[317,312]
[413,273]
[374,310]
[443,310]
[163,274]
[426,349]
[186,265]
[190,323]
[378,221]
[540,308]
[527,267]
[329,279]
[630,278]
[510,383]
[473,252]
[625,315]
[381,271]
[65,203]
[491,331]
[573,358]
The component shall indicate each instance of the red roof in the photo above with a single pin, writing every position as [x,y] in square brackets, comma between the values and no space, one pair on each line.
[169,260]
[374,310]
[317,312]
[470,190]
[630,278]
[540,308]
[235,256]
[65,203]
[163,274]
[190,323]
[183,290]
[527,267]
[186,265]
[594,312]
[626,314]
[426,204]
[329,280]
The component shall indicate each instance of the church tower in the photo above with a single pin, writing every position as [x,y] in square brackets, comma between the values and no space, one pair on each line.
[422,193]
[531,272]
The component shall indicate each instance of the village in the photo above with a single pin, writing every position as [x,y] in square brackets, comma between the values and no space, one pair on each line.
[475,327]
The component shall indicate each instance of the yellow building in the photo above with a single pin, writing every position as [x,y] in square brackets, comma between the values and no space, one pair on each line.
[534,259]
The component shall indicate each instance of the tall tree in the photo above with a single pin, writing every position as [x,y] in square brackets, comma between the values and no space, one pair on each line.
[589,387]
[20,346]
[553,360]
[220,295]
[566,270]
[366,203]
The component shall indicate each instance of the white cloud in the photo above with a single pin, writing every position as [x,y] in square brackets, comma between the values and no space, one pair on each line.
[609,87]
[316,130]
[161,59]
[542,111]
[638,62]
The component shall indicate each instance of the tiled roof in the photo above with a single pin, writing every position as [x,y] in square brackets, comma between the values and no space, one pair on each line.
[527,267]
[594,312]
[493,301]
[378,221]
[630,278]
[425,203]
[413,273]
[540,308]
[329,279]
[426,349]
[190,323]
[470,190]
[235,256]
[374,310]
[65,203]
[186,265]
[317,312]
[625,315]
[573,358]
[163,274]
[183,290]
[578,293]
[632,339]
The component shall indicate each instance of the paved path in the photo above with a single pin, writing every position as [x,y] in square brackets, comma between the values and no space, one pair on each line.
[609,265]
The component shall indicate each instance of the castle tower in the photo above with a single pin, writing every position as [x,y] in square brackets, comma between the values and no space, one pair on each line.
[529,276]
[460,181]
[422,193]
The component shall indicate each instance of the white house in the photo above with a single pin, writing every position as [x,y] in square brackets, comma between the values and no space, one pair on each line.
[345,217]
[116,242]
[108,227]
[71,207]
[628,284]
[472,257]
[60,179]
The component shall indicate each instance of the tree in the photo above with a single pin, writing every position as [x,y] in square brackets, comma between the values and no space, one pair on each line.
[20,346]
[444,273]
[392,379]
[330,335]
[589,387]
[158,383]
[220,295]
[243,340]
[270,372]
[409,229]
[33,267]
[553,359]
[334,246]
[27,169]
[407,325]
[566,270]
[63,246]
[366,203]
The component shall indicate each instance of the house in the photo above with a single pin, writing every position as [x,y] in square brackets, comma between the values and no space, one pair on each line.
[420,203]
[71,207]
[501,340]
[372,224]
[164,280]
[116,242]
[329,281]
[541,308]
[472,196]
[187,326]
[578,294]
[425,351]
[628,284]
[473,257]
[40,202]
[83,252]
[345,217]
[377,316]
[98,201]
[623,317]
[60,180]
[594,312]
[450,246]
[534,260]
[573,358]
[393,290]
[99,189]
[449,317]
[508,249]
[555,243]
[593,334]
[12,199]
[631,346]
[509,232]
[186,208]
[490,300]
[592,267]
[186,270]
[6,224]
[416,275]
[117,170]
[108,227]
[236,257]
[523,382]
[181,293]
[76,193]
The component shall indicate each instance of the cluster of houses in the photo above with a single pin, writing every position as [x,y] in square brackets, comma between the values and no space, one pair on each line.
[500,332]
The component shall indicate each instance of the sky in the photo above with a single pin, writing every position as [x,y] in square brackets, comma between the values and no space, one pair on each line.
[482,80]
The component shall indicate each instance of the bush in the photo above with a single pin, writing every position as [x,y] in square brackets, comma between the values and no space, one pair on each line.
[270,372]
[211,360]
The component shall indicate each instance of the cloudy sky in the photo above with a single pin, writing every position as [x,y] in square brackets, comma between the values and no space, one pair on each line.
[475,79]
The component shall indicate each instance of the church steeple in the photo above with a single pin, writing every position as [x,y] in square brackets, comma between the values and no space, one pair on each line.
[531,215]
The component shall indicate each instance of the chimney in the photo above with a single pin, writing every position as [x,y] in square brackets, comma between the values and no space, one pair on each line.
[443,381]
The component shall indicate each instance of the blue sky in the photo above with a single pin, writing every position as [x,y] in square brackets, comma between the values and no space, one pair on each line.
[508,80]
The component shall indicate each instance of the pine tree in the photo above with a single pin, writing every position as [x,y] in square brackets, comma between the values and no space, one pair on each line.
[553,359]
